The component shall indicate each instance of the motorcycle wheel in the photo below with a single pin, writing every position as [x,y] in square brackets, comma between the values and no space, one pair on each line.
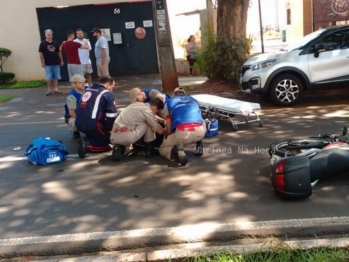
[294,147]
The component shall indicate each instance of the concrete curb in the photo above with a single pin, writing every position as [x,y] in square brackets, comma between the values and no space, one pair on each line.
[156,237]
[195,251]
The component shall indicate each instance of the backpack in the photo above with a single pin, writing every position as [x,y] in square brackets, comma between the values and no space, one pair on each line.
[211,127]
[46,151]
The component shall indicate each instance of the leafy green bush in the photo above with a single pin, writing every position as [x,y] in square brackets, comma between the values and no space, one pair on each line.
[4,54]
[222,58]
[5,77]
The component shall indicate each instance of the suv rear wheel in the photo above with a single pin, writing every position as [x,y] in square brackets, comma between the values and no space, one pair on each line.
[286,90]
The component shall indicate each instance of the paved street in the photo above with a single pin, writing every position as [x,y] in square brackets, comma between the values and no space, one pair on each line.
[228,184]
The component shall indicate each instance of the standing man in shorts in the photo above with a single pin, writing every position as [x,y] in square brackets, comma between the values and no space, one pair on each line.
[84,55]
[51,59]
[71,49]
[101,53]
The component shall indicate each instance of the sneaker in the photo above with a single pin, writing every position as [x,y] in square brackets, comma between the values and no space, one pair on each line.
[182,157]
[82,148]
[199,149]
[117,153]
[48,93]
[76,134]
[57,91]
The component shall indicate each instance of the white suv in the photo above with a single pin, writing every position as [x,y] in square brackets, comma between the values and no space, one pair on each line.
[318,60]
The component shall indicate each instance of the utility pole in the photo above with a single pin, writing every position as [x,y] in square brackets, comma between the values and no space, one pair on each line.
[168,70]
[260,24]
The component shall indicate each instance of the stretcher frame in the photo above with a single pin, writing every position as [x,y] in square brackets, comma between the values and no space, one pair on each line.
[222,113]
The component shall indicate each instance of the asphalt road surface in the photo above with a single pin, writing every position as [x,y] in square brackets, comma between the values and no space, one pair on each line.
[228,184]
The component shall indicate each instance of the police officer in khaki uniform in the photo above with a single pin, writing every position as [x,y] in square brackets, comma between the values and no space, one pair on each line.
[184,125]
[73,98]
[134,122]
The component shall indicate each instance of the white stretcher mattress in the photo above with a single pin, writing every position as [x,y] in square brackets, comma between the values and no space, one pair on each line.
[227,104]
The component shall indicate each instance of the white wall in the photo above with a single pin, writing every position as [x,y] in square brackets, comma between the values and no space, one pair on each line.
[183,26]
[20,33]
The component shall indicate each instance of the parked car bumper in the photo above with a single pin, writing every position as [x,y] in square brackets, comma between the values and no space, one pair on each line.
[252,86]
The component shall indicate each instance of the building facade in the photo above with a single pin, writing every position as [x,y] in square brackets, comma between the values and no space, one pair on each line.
[131,52]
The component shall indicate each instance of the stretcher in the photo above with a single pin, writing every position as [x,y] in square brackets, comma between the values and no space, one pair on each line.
[215,106]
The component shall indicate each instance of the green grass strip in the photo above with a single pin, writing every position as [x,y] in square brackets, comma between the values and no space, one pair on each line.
[4,98]
[24,84]
[321,254]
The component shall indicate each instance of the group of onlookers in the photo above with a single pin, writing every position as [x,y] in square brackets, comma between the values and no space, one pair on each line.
[77,52]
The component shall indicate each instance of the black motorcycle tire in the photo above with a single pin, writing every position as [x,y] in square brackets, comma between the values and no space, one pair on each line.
[293,147]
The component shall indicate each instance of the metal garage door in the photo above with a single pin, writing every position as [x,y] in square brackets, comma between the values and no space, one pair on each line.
[134,56]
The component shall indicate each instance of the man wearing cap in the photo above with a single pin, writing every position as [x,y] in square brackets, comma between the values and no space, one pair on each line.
[95,116]
[71,49]
[51,59]
[73,99]
[134,122]
[101,53]
[184,125]
[148,95]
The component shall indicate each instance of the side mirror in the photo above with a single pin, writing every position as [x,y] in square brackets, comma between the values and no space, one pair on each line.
[318,48]
[345,130]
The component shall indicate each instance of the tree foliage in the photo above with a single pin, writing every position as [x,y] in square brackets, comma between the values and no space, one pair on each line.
[222,57]
[4,54]
[5,76]
[224,53]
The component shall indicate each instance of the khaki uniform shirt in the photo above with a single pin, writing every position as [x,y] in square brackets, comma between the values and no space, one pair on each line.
[136,114]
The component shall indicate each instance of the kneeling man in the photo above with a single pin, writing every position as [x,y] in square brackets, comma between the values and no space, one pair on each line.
[184,125]
[95,116]
[135,121]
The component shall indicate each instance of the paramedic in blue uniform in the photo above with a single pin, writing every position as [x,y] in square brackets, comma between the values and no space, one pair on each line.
[73,99]
[184,125]
[95,116]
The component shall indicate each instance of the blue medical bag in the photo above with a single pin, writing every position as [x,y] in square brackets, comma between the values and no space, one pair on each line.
[211,127]
[45,151]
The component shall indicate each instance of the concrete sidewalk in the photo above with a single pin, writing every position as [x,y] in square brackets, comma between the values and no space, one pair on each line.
[123,85]
[161,244]
[185,251]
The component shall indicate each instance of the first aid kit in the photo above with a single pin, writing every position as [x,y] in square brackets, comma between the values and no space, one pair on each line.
[46,151]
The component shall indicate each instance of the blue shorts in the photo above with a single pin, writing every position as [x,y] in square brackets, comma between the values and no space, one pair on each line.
[53,72]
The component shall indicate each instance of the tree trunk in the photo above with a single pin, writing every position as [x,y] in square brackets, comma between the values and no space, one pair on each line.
[232,18]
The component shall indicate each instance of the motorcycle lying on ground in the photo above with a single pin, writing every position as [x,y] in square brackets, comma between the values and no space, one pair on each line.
[298,146]
[293,177]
